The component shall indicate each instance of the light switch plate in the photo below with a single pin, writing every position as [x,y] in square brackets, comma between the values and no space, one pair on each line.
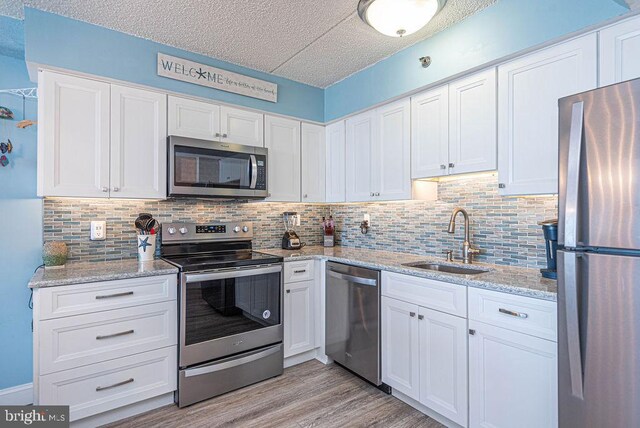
[367,219]
[297,219]
[98,230]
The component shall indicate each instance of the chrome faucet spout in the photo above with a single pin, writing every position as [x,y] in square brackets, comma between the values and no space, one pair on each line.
[467,251]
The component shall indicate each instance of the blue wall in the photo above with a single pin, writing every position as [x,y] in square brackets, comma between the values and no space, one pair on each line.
[502,29]
[62,42]
[20,229]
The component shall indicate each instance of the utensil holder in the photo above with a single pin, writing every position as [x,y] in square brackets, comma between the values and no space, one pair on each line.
[146,247]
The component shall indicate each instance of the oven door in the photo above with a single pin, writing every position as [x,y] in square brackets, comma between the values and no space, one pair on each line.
[229,311]
[215,169]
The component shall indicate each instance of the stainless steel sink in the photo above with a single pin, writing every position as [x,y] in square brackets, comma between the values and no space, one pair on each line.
[445,268]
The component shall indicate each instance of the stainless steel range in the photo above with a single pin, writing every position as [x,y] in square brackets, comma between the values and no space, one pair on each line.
[230,308]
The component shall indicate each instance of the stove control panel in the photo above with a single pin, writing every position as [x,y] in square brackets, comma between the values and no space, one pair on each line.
[211,228]
[193,232]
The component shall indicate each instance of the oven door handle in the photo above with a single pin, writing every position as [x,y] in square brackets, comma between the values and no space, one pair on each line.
[234,273]
[254,171]
[217,366]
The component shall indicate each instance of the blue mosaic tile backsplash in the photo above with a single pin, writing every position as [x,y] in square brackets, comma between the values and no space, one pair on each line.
[505,229]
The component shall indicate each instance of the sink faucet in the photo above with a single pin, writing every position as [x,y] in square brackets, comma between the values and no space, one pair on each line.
[467,251]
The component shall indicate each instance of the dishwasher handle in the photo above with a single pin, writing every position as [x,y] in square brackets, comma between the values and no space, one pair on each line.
[351,278]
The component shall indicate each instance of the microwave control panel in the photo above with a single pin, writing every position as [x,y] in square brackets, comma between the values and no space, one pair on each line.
[261,182]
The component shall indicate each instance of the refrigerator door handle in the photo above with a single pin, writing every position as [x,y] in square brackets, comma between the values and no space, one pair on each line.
[573,324]
[573,175]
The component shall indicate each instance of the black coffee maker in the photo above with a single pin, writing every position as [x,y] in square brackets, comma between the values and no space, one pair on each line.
[550,230]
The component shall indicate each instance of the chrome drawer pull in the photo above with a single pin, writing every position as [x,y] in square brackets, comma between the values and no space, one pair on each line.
[412,314]
[108,296]
[108,336]
[513,314]
[124,382]
[300,271]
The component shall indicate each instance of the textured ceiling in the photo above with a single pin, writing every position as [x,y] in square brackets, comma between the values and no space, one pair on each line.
[317,42]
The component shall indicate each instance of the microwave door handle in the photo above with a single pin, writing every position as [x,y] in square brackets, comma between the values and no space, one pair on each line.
[573,176]
[254,171]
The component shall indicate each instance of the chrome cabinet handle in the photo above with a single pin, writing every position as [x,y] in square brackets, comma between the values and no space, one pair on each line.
[288,291]
[443,166]
[105,189]
[412,314]
[372,194]
[217,134]
[513,313]
[109,296]
[420,317]
[377,193]
[108,336]
[573,176]
[124,382]
[300,271]
[452,165]
[305,196]
[116,189]
[224,135]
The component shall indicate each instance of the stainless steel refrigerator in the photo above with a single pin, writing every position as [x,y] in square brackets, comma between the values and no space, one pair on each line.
[599,258]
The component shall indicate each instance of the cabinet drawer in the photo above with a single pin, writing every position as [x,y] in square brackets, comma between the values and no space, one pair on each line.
[72,342]
[77,299]
[298,271]
[111,384]
[523,314]
[441,296]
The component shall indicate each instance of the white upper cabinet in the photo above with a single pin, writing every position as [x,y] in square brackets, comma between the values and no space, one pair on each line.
[239,126]
[528,93]
[619,48]
[378,155]
[361,134]
[391,157]
[73,140]
[335,162]
[138,143]
[472,123]
[430,133]
[313,163]
[282,139]
[194,119]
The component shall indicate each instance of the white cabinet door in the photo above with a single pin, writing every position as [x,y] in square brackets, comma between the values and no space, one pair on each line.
[528,93]
[239,126]
[282,138]
[619,48]
[472,123]
[361,133]
[299,326]
[73,140]
[195,119]
[443,364]
[391,162]
[313,163]
[335,162]
[430,133]
[400,347]
[138,143]
[512,379]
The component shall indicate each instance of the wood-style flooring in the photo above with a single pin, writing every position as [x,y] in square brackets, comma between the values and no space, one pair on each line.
[306,395]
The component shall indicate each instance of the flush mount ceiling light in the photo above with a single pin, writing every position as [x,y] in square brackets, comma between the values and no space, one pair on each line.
[397,18]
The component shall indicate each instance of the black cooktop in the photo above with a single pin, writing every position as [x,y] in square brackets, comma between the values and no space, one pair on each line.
[220,260]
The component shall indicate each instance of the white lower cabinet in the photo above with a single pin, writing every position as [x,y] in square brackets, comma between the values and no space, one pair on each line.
[512,379]
[102,346]
[424,356]
[299,325]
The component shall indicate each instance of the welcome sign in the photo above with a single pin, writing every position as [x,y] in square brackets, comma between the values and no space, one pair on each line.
[205,75]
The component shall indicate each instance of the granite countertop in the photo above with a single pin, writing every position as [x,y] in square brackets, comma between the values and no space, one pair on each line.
[507,279]
[81,272]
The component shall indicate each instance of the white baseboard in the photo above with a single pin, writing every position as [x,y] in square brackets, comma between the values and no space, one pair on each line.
[300,358]
[19,395]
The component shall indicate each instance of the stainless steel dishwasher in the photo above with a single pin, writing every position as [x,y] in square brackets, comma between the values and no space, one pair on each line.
[352,336]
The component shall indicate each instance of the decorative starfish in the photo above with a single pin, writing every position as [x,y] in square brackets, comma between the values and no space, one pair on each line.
[144,243]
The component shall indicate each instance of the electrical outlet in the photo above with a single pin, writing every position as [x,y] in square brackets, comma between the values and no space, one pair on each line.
[367,219]
[297,219]
[98,230]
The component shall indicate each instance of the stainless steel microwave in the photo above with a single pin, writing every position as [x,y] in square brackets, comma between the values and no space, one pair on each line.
[213,169]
